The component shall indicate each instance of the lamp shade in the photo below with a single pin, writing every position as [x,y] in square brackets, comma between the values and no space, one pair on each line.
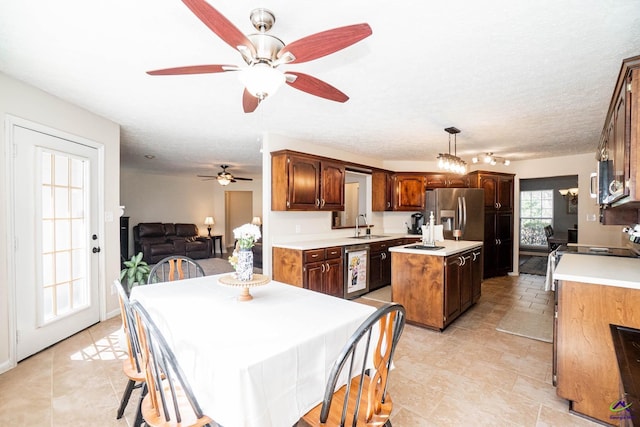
[261,80]
[209,221]
[256,220]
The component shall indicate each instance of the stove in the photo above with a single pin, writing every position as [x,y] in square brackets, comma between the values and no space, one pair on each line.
[594,250]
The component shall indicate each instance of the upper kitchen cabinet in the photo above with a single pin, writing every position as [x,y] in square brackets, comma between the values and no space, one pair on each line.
[441,180]
[498,189]
[409,192]
[619,142]
[382,191]
[304,182]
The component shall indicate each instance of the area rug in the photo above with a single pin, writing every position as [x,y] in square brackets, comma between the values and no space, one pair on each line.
[537,326]
[382,294]
[533,265]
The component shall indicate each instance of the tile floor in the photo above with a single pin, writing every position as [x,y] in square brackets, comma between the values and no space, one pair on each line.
[469,375]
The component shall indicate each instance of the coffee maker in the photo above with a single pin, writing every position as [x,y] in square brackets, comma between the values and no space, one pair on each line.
[417,221]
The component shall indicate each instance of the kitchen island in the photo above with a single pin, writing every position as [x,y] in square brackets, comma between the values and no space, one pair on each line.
[592,293]
[436,285]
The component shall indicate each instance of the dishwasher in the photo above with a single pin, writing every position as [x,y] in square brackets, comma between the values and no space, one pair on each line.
[356,279]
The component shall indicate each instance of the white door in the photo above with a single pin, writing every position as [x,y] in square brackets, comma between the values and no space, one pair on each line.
[56,242]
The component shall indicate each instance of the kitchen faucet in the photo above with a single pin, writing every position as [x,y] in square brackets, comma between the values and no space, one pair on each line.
[364,216]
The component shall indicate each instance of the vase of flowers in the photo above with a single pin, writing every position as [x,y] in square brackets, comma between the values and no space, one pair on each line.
[246,237]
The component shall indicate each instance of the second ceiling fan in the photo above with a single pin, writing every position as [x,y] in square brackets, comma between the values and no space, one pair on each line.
[224,177]
[263,53]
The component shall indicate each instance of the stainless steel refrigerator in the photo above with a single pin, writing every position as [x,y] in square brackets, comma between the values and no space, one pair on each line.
[457,209]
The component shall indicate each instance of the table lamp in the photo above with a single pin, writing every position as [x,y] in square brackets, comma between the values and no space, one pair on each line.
[208,221]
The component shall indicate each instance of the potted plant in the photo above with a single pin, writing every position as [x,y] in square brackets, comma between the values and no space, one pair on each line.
[136,271]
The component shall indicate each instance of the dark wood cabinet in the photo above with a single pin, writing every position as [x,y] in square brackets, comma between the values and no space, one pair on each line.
[498,220]
[409,192]
[436,290]
[620,145]
[382,191]
[320,270]
[443,180]
[305,182]
[380,263]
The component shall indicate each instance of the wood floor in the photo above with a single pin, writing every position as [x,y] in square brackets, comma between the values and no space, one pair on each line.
[469,375]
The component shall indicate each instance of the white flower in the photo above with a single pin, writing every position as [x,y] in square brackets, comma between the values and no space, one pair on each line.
[247,235]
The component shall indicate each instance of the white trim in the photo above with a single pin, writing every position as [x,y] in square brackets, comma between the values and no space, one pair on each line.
[10,122]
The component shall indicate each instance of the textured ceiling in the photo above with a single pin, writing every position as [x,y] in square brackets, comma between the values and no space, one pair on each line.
[522,79]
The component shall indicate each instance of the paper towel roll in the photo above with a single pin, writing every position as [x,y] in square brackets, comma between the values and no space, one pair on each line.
[438,233]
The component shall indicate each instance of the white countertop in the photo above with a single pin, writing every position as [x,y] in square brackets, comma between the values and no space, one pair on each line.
[341,241]
[450,247]
[599,270]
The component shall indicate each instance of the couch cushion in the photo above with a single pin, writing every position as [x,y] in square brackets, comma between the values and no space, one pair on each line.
[169,229]
[186,230]
[150,229]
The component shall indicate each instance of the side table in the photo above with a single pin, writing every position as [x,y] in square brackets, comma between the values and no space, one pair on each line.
[217,238]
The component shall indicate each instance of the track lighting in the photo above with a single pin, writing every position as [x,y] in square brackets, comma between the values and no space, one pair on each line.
[490,159]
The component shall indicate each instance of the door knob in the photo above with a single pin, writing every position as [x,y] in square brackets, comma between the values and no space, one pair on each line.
[96,250]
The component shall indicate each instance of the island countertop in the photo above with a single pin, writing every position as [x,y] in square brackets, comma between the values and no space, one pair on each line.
[599,270]
[450,247]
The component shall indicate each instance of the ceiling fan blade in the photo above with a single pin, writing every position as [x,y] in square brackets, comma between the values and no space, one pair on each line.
[242,179]
[193,69]
[207,176]
[317,87]
[249,102]
[221,26]
[324,43]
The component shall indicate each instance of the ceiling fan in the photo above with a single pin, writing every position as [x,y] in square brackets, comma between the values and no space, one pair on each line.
[224,177]
[263,53]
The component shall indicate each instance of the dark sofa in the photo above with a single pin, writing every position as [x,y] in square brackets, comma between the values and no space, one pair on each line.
[158,240]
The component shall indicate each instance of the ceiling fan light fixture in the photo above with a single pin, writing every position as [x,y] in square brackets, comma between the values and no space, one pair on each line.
[223,180]
[261,80]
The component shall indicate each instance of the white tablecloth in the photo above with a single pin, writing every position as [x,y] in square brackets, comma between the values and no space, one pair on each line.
[263,362]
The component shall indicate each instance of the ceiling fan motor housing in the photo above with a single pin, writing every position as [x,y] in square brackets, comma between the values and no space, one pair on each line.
[267,48]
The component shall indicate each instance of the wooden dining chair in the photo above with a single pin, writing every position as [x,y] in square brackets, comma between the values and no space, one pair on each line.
[169,402]
[132,366]
[175,268]
[363,401]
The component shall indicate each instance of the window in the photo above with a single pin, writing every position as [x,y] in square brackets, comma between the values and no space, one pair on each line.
[536,212]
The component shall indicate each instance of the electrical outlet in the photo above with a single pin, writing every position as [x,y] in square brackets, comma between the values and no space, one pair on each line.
[591,217]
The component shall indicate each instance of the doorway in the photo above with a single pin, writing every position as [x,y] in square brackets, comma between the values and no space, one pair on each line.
[238,211]
[54,199]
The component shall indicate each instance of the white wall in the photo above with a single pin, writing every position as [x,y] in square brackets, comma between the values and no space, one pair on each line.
[155,197]
[29,103]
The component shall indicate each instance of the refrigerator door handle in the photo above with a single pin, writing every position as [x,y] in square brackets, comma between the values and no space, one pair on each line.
[463,227]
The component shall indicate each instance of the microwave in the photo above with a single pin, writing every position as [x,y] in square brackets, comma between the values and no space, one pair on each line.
[604,187]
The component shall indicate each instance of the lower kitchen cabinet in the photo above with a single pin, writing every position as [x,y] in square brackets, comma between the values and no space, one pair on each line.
[435,290]
[321,270]
[380,263]
[585,359]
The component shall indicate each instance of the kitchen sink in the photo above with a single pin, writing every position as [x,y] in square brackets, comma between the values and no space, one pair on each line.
[368,236]
[425,248]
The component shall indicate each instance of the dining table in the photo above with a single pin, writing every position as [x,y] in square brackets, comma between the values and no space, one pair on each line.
[263,362]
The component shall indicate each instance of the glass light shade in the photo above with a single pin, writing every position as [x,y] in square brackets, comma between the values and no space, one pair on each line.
[256,220]
[487,158]
[224,181]
[563,192]
[261,80]
[209,221]
[506,162]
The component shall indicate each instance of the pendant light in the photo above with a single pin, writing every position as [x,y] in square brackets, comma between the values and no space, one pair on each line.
[449,162]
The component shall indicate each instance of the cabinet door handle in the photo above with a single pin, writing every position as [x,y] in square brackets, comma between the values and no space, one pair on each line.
[318,202]
[314,256]
[328,268]
[322,268]
[322,203]
[388,204]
